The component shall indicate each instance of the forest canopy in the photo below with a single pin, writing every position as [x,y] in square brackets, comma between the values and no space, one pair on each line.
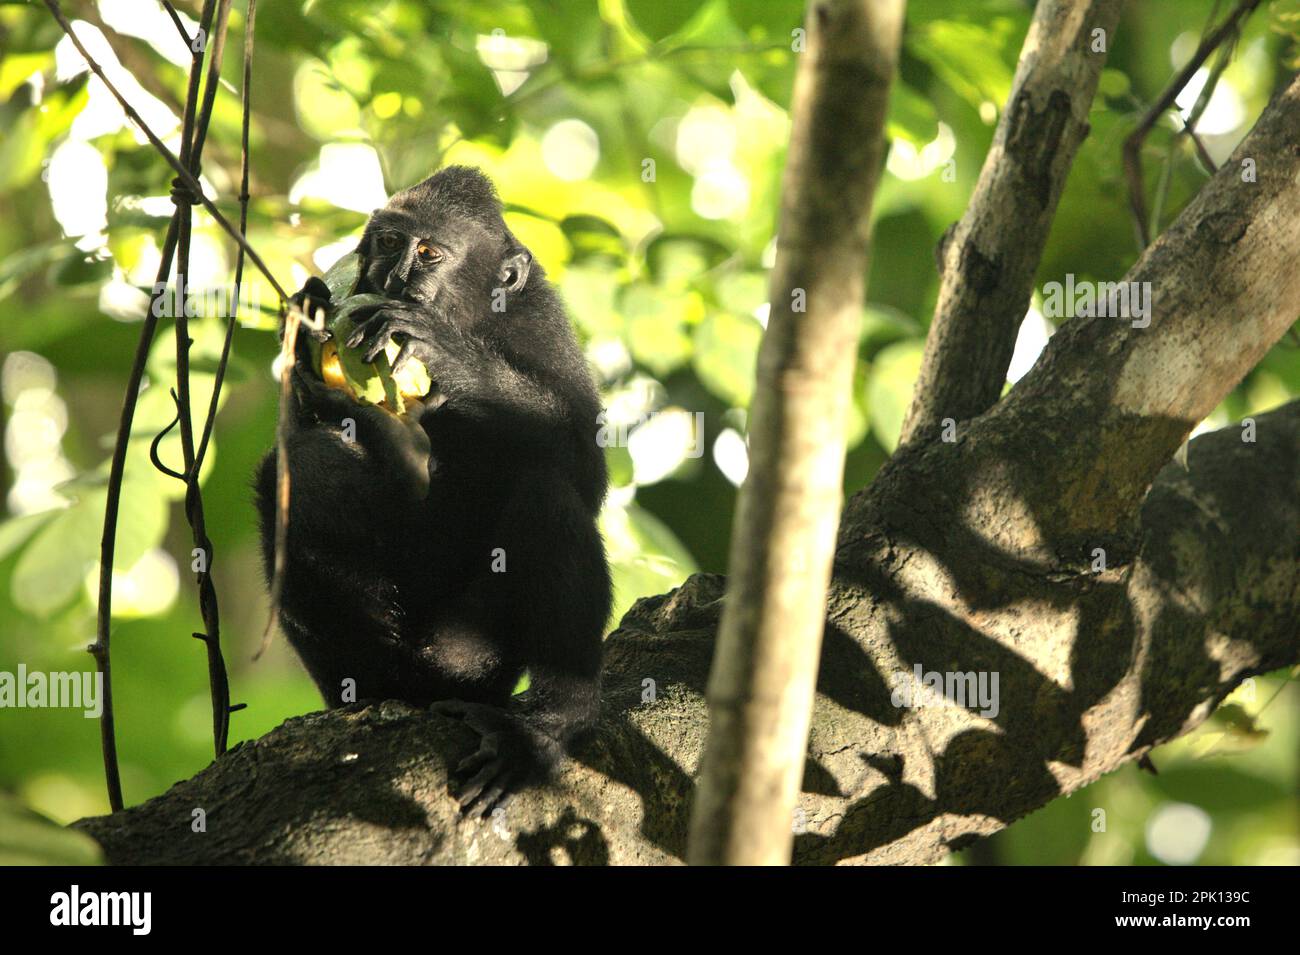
[638,146]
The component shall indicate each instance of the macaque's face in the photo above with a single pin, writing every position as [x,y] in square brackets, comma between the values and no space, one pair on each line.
[446,260]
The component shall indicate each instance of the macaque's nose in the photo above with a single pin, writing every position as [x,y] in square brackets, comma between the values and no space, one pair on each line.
[395,283]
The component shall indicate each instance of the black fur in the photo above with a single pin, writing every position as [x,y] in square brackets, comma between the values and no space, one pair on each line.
[392,537]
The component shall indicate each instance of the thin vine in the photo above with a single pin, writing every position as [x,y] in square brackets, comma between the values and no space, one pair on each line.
[186,193]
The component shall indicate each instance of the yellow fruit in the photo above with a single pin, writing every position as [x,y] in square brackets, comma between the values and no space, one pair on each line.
[331,369]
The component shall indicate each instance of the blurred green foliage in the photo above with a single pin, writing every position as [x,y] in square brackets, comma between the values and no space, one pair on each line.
[638,146]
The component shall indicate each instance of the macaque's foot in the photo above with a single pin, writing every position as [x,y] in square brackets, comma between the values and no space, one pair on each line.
[510,756]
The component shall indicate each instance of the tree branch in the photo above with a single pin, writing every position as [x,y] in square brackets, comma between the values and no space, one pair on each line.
[761,690]
[1094,672]
[1111,399]
[988,259]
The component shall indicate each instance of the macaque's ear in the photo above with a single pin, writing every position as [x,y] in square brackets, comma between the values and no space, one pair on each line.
[514,270]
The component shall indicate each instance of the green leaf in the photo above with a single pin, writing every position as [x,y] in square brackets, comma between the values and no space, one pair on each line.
[678,260]
[966,56]
[646,557]
[1231,730]
[474,101]
[775,80]
[21,150]
[1113,83]
[883,324]
[142,514]
[1217,788]
[541,236]
[911,115]
[325,109]
[619,461]
[661,18]
[571,28]
[27,838]
[742,292]
[15,531]
[18,265]
[52,568]
[889,390]
[15,68]
[342,276]
[592,237]
[80,268]
[767,18]
[656,326]
[589,293]
[726,356]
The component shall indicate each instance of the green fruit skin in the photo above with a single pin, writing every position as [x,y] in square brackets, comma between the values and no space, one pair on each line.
[342,277]
[374,382]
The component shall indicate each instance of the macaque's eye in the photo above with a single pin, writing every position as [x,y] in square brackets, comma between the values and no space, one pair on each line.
[429,253]
[389,241]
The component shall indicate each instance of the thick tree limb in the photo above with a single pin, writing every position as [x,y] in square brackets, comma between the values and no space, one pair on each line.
[761,689]
[988,259]
[1078,441]
[1094,671]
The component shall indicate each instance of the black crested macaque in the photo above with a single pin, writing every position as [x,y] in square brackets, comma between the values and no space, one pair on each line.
[436,557]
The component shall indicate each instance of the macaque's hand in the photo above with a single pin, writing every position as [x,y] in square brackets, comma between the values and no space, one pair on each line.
[397,442]
[445,351]
[313,299]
